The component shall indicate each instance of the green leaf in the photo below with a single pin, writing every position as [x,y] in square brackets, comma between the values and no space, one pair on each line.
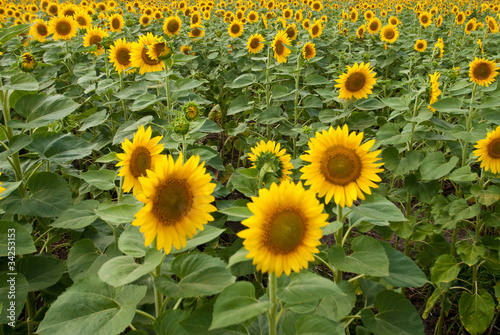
[145,101]
[60,148]
[106,86]
[470,253]
[118,213]
[186,85]
[92,307]
[448,105]
[245,181]
[487,197]
[200,275]
[21,82]
[316,325]
[306,286]
[168,322]
[312,102]
[238,105]
[102,179]
[369,257]
[124,270]
[403,272]
[49,196]
[41,270]
[281,93]
[316,79]
[237,303]
[208,234]
[42,110]
[487,102]
[445,269]
[461,210]
[377,210]
[396,315]
[127,129]
[95,119]
[369,104]
[435,166]
[431,302]
[401,166]
[19,237]
[12,294]
[78,216]
[16,143]
[476,311]
[337,306]
[84,260]
[463,175]
[132,91]
[131,242]
[270,115]
[10,32]
[239,211]
[243,80]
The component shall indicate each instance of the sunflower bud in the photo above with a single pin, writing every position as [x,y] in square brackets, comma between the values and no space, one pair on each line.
[191,111]
[307,130]
[181,126]
[27,62]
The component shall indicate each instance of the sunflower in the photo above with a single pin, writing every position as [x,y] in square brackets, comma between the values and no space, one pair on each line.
[1,188]
[460,18]
[285,230]
[374,25]
[83,19]
[425,19]
[52,9]
[393,20]
[159,50]
[439,21]
[306,24]
[341,167]
[67,9]
[116,22]
[470,26]
[368,15]
[435,91]
[253,16]
[185,49]
[308,51]
[63,28]
[39,30]
[361,31]
[27,62]
[196,32]
[488,151]
[357,82]
[269,154]
[354,16]
[119,55]
[281,52]
[94,36]
[389,33]
[145,20]
[255,43]
[298,16]
[139,55]
[191,111]
[316,29]
[172,25]
[291,31]
[288,14]
[177,200]
[317,6]
[420,45]
[235,29]
[492,25]
[195,19]
[482,71]
[140,155]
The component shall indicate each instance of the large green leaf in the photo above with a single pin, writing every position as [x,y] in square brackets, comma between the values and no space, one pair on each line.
[401,166]
[13,290]
[445,269]
[19,237]
[470,253]
[435,166]
[168,322]
[403,272]
[102,179]
[208,234]
[42,110]
[396,315]
[476,311]
[7,33]
[49,196]
[243,80]
[376,210]
[124,270]
[78,216]
[131,242]
[199,274]
[338,305]
[41,270]
[21,82]
[369,257]
[118,213]
[237,303]
[316,325]
[15,144]
[306,286]
[60,148]
[92,307]
[84,260]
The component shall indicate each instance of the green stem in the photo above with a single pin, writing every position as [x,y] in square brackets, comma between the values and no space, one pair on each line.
[296,103]
[268,89]
[453,241]
[184,148]
[439,325]
[158,295]
[273,298]
[339,234]
[146,315]
[468,125]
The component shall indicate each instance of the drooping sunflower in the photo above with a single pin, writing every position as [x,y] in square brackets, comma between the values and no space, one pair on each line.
[83,19]
[309,51]
[374,25]
[172,25]
[341,167]
[357,82]
[435,91]
[488,151]
[160,50]
[361,31]
[389,33]
[269,153]
[39,30]
[483,71]
[64,28]
[177,200]
[420,45]
[94,36]
[140,155]
[281,52]
[116,22]
[235,29]
[27,62]
[425,19]
[255,43]
[139,55]
[285,230]
[316,29]
[119,55]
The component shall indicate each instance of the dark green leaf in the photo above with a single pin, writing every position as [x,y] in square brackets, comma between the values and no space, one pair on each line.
[476,311]
[18,235]
[78,216]
[41,270]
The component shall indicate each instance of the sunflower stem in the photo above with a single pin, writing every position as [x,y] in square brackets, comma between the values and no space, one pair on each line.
[268,88]
[296,103]
[184,149]
[339,235]
[273,298]
[158,295]
[469,125]
[145,314]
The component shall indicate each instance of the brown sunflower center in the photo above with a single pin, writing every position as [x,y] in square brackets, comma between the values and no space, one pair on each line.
[290,32]
[140,161]
[69,12]
[394,22]
[254,43]
[374,25]
[173,26]
[96,40]
[235,29]
[28,58]
[252,17]
[315,30]
[196,32]
[460,18]
[148,60]
[42,30]
[115,23]
[145,20]
[123,56]
[482,71]
[353,16]
[285,231]
[491,24]
[63,28]
[316,6]
[420,45]
[309,51]
[469,26]
[389,34]
[355,82]
[81,21]
[172,201]
[279,48]
[424,19]
[341,165]
[195,19]
[494,148]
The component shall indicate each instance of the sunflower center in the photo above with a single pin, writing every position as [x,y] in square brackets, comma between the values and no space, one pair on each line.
[355,82]
[42,30]
[374,26]
[69,12]
[290,32]
[81,21]
[96,40]
[194,19]
[285,231]
[235,29]
[491,25]
[424,19]
[494,148]
[469,26]
[309,51]
[115,23]
[28,59]
[389,34]
[341,165]
[123,56]
[420,45]
[192,112]
[254,43]
[148,60]
[173,26]
[173,200]
[63,28]
[196,32]
[482,71]
[251,17]
[279,48]
[315,30]
[140,161]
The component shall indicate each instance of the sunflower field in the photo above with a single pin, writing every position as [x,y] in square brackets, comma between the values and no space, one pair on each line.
[249,167]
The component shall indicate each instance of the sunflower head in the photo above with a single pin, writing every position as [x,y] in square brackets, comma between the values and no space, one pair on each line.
[63,28]
[27,62]
[420,45]
[373,26]
[255,43]
[191,111]
[483,71]
[434,90]
[160,50]
[316,29]
[267,157]
[291,31]
[181,125]
[488,151]
[94,36]
[357,83]
[389,33]
[361,31]
[235,29]
[309,51]
[425,19]
[39,30]
[119,55]
[172,25]
[281,52]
